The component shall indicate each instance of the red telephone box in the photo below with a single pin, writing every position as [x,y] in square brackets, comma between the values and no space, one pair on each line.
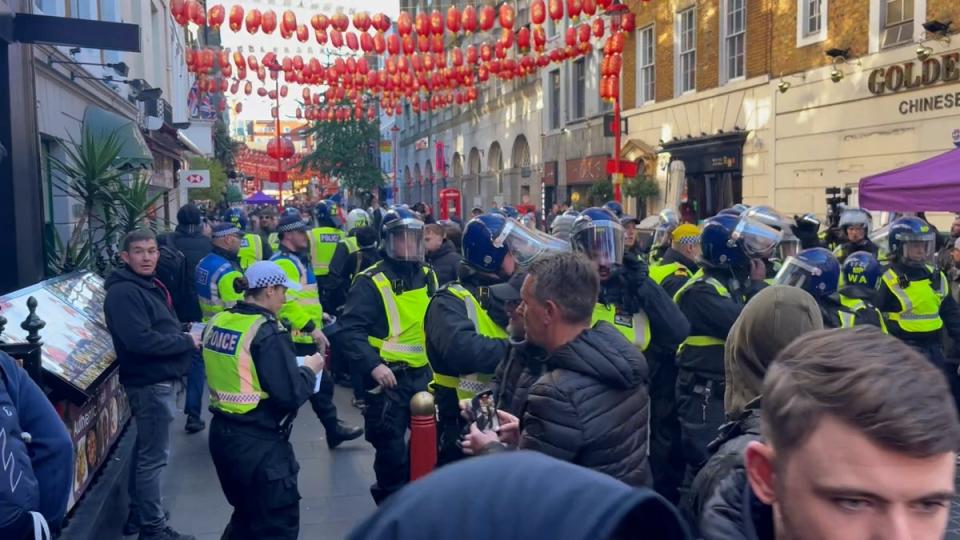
[450,203]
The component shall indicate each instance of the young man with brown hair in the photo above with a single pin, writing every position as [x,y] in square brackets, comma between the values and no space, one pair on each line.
[858,445]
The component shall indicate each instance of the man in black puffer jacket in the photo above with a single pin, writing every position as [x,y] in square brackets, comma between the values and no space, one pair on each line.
[591,405]
[442,256]
[524,363]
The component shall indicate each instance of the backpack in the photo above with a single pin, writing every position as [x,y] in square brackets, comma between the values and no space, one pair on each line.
[173,272]
[19,489]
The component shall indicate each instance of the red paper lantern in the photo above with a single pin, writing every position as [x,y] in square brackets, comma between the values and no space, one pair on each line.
[486,52]
[472,55]
[280,147]
[262,92]
[366,43]
[469,19]
[393,44]
[555,9]
[303,34]
[506,38]
[236,18]
[487,16]
[616,43]
[253,63]
[379,44]
[436,44]
[404,24]
[436,22]
[272,94]
[584,32]
[340,22]
[380,22]
[361,21]
[523,39]
[539,39]
[457,55]
[453,19]
[589,7]
[604,4]
[598,27]
[628,22]
[408,44]
[574,7]
[192,8]
[215,16]
[321,36]
[423,43]
[538,12]
[253,21]
[336,38]
[322,22]
[422,23]
[238,108]
[507,16]
[352,42]
[289,21]
[570,38]
[269,23]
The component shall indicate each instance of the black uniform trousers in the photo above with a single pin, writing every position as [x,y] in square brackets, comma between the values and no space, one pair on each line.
[666,455]
[449,425]
[701,413]
[258,473]
[386,420]
[321,402]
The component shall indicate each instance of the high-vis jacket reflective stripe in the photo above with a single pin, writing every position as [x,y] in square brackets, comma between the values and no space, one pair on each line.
[919,302]
[231,373]
[701,341]
[213,279]
[274,240]
[351,243]
[850,318]
[301,306]
[251,250]
[470,384]
[660,272]
[636,328]
[405,341]
[323,243]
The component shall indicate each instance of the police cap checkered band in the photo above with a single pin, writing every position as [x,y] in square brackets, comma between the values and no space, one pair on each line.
[222,230]
[266,273]
[686,234]
[291,223]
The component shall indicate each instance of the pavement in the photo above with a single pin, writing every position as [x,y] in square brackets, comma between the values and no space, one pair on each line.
[334,484]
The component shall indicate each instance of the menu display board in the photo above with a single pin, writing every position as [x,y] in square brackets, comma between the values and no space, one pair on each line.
[77,349]
[94,427]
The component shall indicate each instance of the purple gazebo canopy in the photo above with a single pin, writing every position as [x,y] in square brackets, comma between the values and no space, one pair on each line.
[928,186]
[260,198]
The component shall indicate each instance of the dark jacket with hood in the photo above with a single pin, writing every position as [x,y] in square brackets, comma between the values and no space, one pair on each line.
[149,341]
[591,406]
[445,262]
[515,376]
[190,241]
[633,290]
[735,513]
[521,495]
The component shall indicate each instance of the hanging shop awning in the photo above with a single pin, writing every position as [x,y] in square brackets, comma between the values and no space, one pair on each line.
[134,152]
[928,186]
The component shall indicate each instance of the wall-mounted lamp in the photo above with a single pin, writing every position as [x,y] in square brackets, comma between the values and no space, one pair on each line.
[933,30]
[564,131]
[839,57]
[785,85]
[121,68]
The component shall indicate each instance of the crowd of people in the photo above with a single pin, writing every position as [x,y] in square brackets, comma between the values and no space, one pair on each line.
[743,377]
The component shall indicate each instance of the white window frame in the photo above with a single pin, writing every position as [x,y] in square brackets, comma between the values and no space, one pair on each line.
[646,71]
[678,89]
[803,15]
[725,49]
[876,21]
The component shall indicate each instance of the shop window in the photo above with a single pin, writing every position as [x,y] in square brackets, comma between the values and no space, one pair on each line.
[811,22]
[555,99]
[896,19]
[646,73]
[733,28]
[686,51]
[578,96]
[56,8]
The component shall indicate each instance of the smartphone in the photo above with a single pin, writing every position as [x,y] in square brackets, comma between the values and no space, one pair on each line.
[484,411]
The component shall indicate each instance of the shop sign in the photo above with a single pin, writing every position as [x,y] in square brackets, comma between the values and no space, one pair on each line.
[549,177]
[722,162]
[195,178]
[915,74]
[587,170]
[422,143]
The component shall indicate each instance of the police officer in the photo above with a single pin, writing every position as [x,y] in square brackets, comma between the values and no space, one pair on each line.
[252,248]
[560,228]
[817,271]
[786,247]
[615,208]
[337,283]
[323,242]
[678,263]
[268,229]
[644,313]
[382,328]
[256,389]
[303,314]
[855,224]
[662,235]
[914,296]
[731,271]
[217,271]
[466,336]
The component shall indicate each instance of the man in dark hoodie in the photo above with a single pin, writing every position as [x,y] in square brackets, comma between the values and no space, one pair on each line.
[855,446]
[591,405]
[522,495]
[154,353]
[442,256]
[768,323]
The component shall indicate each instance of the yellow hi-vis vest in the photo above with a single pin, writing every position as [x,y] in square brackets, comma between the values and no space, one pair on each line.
[274,240]
[701,341]
[251,250]
[919,302]
[323,242]
[405,341]
[660,272]
[302,306]
[635,326]
[848,319]
[352,245]
[231,374]
[471,384]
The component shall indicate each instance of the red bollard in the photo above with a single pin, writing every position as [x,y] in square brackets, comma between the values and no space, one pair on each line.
[423,435]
